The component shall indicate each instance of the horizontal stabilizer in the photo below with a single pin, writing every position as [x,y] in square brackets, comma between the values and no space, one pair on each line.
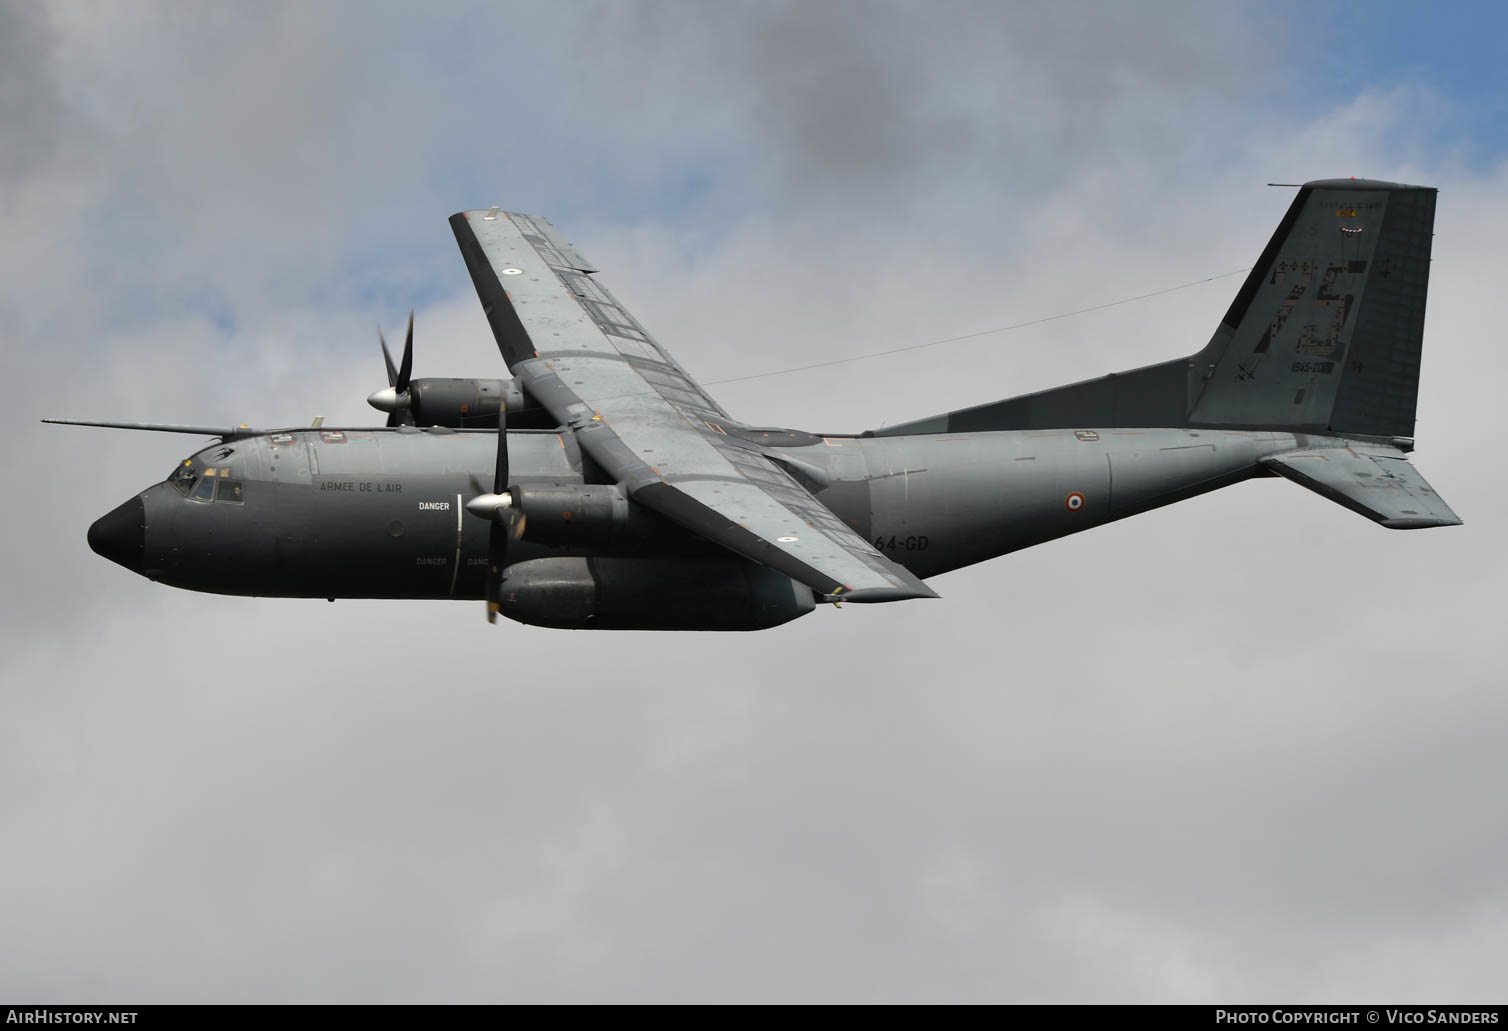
[1378,482]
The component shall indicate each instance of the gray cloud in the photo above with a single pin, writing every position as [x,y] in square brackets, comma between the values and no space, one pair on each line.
[891,104]
[30,109]
[1240,748]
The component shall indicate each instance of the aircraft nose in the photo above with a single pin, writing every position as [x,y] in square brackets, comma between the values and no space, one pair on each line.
[121,534]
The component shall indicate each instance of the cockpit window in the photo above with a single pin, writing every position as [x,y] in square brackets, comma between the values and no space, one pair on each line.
[209,483]
[182,479]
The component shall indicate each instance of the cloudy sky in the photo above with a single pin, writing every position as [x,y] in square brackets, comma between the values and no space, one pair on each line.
[1244,748]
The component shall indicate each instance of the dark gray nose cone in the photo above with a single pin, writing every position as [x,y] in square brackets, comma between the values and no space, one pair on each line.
[121,534]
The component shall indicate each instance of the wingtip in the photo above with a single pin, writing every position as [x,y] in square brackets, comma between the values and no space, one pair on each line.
[1420,523]
[871,595]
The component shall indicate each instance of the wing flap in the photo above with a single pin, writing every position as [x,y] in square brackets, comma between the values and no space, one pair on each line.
[1379,482]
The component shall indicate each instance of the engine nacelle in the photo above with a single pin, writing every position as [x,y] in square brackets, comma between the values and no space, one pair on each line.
[472,404]
[583,513]
[651,594]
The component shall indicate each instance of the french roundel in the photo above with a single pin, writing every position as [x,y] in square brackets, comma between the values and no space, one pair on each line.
[1074,502]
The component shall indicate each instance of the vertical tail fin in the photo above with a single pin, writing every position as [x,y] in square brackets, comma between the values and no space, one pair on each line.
[1323,337]
[1325,333]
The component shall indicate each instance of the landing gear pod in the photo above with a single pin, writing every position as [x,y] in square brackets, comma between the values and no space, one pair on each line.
[651,594]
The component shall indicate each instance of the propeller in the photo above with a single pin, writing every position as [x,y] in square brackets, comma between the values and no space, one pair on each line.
[501,509]
[394,398]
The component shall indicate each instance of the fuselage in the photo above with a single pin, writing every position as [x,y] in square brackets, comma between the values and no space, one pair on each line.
[379,513]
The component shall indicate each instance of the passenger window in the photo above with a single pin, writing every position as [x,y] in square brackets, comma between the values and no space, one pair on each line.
[229,490]
[204,490]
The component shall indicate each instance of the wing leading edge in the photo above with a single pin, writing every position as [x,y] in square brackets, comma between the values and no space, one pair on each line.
[640,416]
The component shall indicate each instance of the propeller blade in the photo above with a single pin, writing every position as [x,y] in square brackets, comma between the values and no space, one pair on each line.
[498,534]
[394,398]
[392,371]
[408,357]
[500,474]
[388,400]
[497,546]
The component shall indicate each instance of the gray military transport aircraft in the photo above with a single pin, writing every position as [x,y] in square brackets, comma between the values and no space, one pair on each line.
[606,490]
